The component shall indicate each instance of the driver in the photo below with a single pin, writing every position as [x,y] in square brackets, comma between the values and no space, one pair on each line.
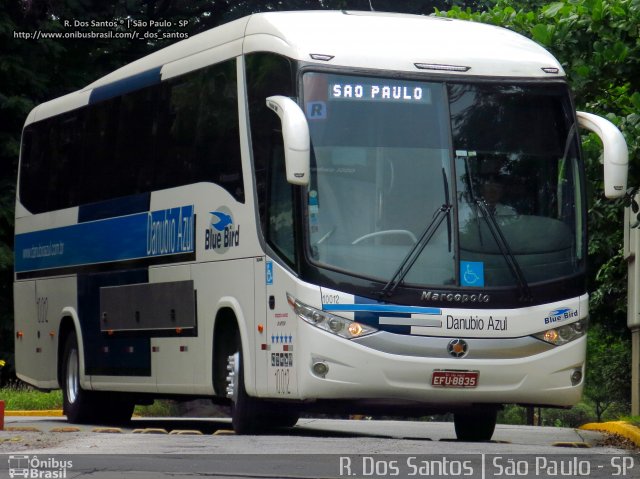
[489,186]
[492,190]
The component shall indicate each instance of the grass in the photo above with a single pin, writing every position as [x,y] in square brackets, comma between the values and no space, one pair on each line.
[21,397]
[159,408]
[634,420]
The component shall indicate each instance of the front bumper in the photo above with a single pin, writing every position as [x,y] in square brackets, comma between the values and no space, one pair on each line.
[358,372]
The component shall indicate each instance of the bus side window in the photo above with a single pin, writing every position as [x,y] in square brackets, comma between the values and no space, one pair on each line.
[97,168]
[280,202]
[270,74]
[198,135]
[135,143]
[52,153]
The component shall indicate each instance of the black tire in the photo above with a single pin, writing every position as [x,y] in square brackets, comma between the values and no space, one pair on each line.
[251,415]
[77,404]
[284,419]
[245,410]
[475,426]
[81,406]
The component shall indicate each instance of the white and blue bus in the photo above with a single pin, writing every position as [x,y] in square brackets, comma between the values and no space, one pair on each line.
[352,212]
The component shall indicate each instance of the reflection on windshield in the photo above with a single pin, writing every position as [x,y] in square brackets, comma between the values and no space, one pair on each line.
[382,165]
[376,178]
[516,151]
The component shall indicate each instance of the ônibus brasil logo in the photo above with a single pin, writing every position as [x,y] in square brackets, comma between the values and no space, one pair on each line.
[34,467]
[560,314]
[222,232]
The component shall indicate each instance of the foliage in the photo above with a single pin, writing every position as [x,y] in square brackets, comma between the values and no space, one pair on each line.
[608,374]
[582,413]
[633,420]
[578,415]
[20,397]
[159,408]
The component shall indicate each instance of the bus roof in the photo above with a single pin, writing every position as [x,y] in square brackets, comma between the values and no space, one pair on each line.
[369,40]
[391,41]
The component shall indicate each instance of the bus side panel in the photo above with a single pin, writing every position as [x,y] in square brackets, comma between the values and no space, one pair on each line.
[177,361]
[105,354]
[282,334]
[28,364]
[262,277]
[39,309]
[227,284]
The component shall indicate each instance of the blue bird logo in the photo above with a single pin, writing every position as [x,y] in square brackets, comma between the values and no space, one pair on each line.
[224,220]
[559,312]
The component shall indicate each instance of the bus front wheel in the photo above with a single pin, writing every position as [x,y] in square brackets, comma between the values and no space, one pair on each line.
[245,410]
[251,415]
[475,426]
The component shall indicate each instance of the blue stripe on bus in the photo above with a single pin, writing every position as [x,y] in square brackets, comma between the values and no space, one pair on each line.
[381,308]
[126,205]
[125,85]
[141,235]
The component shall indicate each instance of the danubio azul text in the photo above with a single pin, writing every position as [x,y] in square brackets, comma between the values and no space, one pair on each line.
[170,231]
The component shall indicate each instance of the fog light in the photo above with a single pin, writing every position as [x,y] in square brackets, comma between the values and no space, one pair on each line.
[320,369]
[576,377]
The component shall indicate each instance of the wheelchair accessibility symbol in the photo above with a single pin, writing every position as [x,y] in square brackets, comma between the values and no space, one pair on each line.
[269,273]
[471,273]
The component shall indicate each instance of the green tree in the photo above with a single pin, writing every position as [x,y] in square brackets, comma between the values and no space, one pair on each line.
[608,374]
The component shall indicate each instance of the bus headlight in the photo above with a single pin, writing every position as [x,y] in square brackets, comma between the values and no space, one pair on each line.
[564,334]
[342,327]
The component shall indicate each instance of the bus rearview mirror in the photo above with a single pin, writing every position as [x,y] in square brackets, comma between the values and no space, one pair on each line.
[295,134]
[615,153]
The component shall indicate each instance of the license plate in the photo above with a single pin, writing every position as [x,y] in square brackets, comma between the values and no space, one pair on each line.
[455,379]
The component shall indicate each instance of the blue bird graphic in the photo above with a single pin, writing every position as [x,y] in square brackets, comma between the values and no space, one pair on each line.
[224,220]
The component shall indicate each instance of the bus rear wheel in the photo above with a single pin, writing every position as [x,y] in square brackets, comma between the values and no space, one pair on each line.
[475,426]
[81,406]
[77,404]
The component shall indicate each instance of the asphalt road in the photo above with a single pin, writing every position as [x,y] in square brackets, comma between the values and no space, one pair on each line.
[314,448]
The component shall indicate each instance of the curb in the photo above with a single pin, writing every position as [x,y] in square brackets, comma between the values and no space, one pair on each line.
[49,412]
[621,428]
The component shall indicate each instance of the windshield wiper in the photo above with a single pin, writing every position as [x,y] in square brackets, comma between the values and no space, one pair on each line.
[446,200]
[411,257]
[505,250]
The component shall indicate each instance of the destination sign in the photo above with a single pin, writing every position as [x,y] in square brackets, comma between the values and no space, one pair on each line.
[391,91]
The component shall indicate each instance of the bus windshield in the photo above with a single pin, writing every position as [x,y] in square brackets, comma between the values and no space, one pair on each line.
[500,160]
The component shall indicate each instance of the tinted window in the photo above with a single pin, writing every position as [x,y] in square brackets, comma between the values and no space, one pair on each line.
[199,139]
[269,74]
[176,133]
